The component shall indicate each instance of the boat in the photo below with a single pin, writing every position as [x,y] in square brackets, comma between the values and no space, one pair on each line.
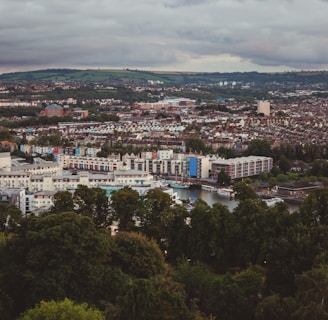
[273,201]
[226,192]
[177,185]
[209,188]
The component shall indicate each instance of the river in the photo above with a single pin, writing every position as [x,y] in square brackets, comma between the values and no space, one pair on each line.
[212,197]
[209,197]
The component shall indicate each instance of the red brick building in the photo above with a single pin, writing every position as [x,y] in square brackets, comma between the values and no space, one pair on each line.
[54,110]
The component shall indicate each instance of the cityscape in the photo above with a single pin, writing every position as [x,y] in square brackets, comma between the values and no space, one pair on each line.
[123,152]
[163,160]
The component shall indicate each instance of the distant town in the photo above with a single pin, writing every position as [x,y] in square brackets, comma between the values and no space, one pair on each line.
[162,129]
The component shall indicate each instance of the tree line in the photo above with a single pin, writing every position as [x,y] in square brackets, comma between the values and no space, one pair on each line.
[163,262]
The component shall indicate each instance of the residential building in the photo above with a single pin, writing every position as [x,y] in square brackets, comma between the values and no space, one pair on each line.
[199,167]
[14,197]
[89,163]
[263,107]
[242,167]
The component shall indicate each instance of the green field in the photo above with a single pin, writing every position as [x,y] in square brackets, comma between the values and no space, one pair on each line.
[92,75]
[141,77]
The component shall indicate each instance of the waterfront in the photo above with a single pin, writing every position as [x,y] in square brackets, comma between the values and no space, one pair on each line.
[209,197]
[212,197]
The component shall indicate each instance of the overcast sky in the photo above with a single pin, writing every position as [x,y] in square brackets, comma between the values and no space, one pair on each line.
[171,35]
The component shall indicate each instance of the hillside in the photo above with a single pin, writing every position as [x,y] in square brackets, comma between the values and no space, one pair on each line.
[137,76]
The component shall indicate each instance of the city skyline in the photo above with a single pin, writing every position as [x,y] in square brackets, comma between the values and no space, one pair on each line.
[170,35]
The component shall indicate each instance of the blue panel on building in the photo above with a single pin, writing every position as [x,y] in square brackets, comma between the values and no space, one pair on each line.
[77,151]
[193,167]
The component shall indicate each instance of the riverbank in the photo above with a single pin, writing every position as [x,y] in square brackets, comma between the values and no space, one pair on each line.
[211,198]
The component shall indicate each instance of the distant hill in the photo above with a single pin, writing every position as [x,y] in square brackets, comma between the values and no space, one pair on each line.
[139,77]
[92,75]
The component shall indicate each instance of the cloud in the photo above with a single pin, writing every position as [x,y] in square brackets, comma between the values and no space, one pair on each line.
[202,35]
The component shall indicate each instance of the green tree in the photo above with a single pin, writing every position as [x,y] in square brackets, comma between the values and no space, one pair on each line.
[312,294]
[223,178]
[195,144]
[275,171]
[157,216]
[177,235]
[137,255]
[210,235]
[284,164]
[250,231]
[63,202]
[203,240]
[226,152]
[127,208]
[6,304]
[197,279]
[251,282]
[290,252]
[6,135]
[53,257]
[138,302]
[62,310]
[93,203]
[259,147]
[10,217]
[243,191]
[170,302]
[275,307]
[314,208]
[229,301]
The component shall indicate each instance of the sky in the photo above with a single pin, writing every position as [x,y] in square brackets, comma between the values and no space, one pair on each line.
[164,35]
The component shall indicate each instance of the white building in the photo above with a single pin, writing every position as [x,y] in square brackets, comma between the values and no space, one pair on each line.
[14,179]
[242,167]
[89,163]
[41,201]
[165,154]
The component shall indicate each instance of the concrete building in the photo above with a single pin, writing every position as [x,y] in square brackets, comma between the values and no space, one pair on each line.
[89,163]
[199,167]
[14,179]
[40,166]
[242,167]
[165,154]
[263,107]
[41,201]
[14,197]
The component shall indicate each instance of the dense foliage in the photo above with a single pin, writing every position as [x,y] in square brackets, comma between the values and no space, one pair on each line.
[62,310]
[257,262]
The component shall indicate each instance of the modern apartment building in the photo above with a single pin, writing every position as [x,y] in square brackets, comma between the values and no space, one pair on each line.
[168,164]
[242,167]
[89,163]
[198,167]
